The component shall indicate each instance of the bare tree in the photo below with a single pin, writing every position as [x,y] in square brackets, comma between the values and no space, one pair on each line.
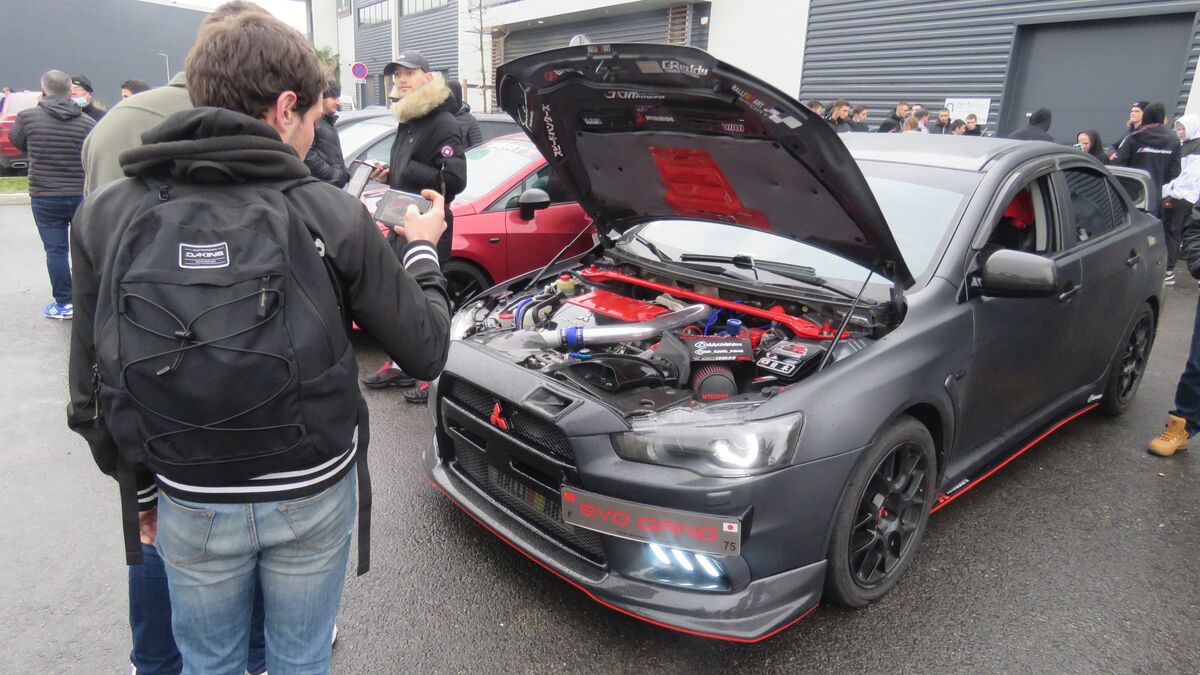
[477,16]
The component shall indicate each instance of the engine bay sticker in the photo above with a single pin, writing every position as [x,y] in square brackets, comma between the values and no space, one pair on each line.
[686,530]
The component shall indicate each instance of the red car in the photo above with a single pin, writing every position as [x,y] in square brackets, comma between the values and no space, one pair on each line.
[12,159]
[494,237]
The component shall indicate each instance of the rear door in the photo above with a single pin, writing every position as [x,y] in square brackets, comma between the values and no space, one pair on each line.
[1098,226]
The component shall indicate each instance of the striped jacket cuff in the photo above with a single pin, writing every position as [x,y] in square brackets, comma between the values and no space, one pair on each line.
[419,250]
[147,497]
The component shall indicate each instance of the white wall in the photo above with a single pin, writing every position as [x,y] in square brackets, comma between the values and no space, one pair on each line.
[763,37]
[324,22]
[346,58]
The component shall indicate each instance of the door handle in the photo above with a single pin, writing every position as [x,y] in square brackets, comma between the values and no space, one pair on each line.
[1133,259]
[1069,293]
[494,240]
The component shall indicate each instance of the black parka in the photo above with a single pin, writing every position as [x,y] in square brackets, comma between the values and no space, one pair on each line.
[52,134]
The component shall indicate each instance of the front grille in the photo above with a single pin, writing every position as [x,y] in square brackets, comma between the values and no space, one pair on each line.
[534,431]
[539,510]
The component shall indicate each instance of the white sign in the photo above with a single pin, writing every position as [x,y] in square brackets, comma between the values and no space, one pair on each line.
[961,107]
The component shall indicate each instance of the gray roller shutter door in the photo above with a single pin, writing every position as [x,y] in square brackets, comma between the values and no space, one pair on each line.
[647,26]
[434,33]
[877,52]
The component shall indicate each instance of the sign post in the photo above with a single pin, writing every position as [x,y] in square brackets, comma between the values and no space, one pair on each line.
[961,107]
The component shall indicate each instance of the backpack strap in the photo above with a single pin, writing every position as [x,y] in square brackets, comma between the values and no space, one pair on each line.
[127,480]
[364,417]
[364,488]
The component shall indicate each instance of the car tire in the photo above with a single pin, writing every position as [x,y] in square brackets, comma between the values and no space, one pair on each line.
[464,280]
[1129,365]
[882,515]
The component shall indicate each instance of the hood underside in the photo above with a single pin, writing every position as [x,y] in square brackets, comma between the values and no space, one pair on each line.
[643,131]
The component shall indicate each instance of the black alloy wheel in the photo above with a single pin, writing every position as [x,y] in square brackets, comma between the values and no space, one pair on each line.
[882,514]
[889,513]
[1130,364]
[463,282]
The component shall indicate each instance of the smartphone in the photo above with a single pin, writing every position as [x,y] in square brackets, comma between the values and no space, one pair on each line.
[394,204]
[360,173]
[1078,146]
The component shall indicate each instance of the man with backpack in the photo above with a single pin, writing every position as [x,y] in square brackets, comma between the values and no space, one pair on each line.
[210,359]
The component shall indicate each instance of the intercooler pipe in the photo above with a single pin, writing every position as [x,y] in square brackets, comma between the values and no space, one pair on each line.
[575,336]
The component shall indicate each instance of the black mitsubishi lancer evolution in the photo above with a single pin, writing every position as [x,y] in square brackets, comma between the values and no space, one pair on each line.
[786,349]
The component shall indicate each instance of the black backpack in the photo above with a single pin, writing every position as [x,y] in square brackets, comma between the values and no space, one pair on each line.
[221,343]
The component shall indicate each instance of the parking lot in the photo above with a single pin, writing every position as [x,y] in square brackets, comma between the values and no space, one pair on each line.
[1078,557]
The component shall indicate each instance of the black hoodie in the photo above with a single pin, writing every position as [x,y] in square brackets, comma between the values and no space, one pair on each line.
[404,307]
[52,134]
[1153,148]
[1039,126]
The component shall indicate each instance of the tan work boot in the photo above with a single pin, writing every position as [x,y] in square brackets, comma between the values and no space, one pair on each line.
[1173,438]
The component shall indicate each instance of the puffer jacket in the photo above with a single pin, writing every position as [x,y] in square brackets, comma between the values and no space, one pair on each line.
[325,159]
[52,134]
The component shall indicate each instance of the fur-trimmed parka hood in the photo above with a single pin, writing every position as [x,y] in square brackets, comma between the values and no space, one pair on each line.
[424,100]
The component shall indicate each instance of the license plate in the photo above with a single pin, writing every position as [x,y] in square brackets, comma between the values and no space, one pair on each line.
[698,532]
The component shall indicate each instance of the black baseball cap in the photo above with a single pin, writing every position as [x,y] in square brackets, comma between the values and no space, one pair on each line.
[408,59]
[1140,104]
[83,82]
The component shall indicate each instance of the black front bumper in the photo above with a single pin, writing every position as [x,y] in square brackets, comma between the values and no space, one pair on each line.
[508,440]
[756,612]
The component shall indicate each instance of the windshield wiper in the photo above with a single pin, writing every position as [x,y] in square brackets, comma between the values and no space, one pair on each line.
[697,266]
[801,273]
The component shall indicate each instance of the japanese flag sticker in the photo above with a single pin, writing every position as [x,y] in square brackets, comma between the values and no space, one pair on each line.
[447,151]
[729,527]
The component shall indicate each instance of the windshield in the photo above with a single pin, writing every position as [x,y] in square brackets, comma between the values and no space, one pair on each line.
[920,205]
[357,134]
[491,164]
[20,101]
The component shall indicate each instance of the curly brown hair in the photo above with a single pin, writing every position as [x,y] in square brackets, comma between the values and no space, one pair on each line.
[244,62]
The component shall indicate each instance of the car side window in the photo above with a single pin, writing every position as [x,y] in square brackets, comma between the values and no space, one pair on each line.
[541,179]
[1091,206]
[1025,224]
[1120,211]
[381,151]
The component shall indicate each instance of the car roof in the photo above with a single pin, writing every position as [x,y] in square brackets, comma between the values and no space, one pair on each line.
[969,153]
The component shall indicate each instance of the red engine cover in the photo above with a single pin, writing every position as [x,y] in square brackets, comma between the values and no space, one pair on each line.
[617,306]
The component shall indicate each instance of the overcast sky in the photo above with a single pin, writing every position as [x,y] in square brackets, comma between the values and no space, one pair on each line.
[291,11]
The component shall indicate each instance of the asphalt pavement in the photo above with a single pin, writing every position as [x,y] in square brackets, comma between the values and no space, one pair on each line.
[1079,557]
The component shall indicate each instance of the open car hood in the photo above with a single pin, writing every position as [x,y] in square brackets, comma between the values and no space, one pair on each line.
[647,131]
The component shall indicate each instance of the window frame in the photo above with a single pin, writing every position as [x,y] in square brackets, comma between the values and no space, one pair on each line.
[1067,232]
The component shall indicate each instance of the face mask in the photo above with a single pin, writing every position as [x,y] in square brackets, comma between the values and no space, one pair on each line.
[80,101]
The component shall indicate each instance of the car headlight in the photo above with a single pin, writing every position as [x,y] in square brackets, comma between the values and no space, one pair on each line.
[464,320]
[715,441]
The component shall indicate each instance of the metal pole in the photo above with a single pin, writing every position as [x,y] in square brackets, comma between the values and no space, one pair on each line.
[168,60]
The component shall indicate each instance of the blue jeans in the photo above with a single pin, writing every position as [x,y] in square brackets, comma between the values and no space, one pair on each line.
[1187,392]
[154,651]
[53,217]
[297,552]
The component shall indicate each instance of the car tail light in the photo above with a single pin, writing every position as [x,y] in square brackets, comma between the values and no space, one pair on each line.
[6,147]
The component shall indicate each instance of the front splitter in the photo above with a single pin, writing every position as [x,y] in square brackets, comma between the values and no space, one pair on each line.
[762,609]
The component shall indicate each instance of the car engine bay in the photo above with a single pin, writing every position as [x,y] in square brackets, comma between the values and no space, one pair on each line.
[645,342]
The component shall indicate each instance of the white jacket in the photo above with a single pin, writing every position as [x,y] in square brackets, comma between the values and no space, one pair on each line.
[1187,185]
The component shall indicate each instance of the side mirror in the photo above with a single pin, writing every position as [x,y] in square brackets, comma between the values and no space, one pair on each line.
[1015,274]
[532,201]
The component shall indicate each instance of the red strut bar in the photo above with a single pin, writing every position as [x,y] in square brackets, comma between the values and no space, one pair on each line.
[800,326]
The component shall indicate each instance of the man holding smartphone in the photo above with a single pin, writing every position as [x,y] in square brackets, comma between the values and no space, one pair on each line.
[426,155]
